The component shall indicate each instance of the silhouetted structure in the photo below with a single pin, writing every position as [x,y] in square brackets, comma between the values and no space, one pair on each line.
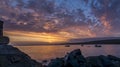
[1,28]
[3,39]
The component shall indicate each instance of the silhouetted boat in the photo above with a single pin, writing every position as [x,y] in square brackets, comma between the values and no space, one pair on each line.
[98,45]
[67,45]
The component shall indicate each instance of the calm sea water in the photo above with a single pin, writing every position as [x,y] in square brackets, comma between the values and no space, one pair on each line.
[48,52]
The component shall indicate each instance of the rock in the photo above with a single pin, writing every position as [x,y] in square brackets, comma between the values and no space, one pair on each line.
[4,40]
[58,62]
[105,61]
[99,61]
[113,58]
[94,61]
[44,61]
[75,59]
[13,57]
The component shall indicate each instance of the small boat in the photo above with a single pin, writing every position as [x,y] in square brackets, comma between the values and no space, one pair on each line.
[82,45]
[67,45]
[98,45]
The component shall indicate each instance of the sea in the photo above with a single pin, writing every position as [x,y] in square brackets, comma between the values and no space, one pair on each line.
[48,52]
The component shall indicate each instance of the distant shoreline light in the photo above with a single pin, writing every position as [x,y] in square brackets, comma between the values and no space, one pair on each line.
[18,36]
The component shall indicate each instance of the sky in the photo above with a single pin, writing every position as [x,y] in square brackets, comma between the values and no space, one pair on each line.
[59,20]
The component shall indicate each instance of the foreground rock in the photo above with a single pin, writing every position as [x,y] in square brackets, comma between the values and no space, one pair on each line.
[12,57]
[76,59]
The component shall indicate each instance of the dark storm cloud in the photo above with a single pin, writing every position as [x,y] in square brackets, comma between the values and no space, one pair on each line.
[56,15]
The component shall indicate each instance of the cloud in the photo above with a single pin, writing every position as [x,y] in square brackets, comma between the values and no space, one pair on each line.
[77,18]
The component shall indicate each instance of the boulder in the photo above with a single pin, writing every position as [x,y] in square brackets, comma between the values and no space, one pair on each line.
[113,58]
[13,57]
[58,62]
[72,59]
[75,59]
[94,61]
[4,40]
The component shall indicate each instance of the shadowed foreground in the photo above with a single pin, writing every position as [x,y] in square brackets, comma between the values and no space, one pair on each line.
[76,59]
[13,57]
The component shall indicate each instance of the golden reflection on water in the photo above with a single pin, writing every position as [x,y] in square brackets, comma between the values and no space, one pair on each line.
[49,52]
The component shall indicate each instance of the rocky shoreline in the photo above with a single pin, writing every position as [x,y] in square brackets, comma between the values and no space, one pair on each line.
[76,59]
[13,57]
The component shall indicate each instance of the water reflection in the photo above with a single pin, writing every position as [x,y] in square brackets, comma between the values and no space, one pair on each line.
[48,52]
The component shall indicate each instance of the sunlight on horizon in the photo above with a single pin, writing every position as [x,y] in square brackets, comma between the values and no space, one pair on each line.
[18,36]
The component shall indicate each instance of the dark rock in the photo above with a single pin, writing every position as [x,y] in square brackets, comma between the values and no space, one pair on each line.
[99,61]
[75,59]
[94,61]
[13,57]
[4,40]
[58,62]
[113,58]
[105,61]
[44,61]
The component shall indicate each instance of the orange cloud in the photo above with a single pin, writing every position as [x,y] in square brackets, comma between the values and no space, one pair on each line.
[17,36]
[106,24]
[57,37]
[78,32]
